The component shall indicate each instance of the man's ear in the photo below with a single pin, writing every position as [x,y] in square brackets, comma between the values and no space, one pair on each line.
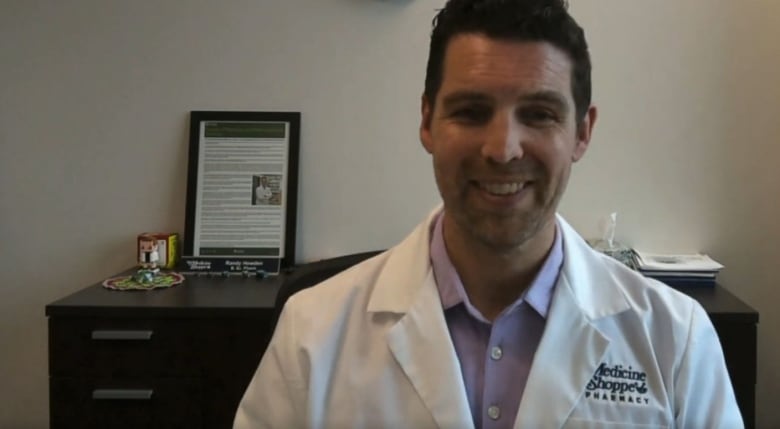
[426,115]
[584,133]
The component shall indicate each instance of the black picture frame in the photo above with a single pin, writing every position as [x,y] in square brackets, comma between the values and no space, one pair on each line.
[234,261]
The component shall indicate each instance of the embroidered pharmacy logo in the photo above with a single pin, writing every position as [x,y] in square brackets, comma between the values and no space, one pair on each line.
[618,384]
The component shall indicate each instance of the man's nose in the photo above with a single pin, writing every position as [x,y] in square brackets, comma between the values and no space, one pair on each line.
[504,139]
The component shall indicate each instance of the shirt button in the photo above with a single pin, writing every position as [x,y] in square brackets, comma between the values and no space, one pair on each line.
[496,353]
[494,412]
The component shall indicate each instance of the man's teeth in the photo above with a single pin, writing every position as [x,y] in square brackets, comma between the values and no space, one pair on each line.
[503,188]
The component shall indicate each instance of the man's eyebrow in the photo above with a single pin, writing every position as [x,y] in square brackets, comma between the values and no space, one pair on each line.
[450,100]
[549,97]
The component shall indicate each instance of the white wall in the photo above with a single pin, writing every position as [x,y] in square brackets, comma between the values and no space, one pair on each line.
[94,97]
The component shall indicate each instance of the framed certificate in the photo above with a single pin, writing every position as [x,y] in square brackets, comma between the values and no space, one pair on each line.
[242,184]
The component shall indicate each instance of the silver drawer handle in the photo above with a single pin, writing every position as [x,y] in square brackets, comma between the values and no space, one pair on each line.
[123,394]
[122,335]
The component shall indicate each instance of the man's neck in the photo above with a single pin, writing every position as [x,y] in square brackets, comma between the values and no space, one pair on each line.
[494,280]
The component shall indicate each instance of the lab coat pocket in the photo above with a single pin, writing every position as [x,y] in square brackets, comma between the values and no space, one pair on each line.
[575,423]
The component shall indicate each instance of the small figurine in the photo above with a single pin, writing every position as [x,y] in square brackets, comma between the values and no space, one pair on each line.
[147,260]
[149,255]
[148,275]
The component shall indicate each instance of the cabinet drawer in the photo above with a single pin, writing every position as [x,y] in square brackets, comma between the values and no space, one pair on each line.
[138,403]
[124,347]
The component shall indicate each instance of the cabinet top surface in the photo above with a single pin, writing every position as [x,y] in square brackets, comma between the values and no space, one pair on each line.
[197,295]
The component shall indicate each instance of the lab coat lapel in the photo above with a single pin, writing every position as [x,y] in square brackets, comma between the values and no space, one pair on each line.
[420,341]
[572,347]
[567,357]
[422,346]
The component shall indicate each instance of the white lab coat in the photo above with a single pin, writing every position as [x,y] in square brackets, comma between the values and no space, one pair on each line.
[370,348]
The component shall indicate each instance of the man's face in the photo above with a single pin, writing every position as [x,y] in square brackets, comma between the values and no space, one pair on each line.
[503,136]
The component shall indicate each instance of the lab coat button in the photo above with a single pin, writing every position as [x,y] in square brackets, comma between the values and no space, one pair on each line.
[496,353]
[494,412]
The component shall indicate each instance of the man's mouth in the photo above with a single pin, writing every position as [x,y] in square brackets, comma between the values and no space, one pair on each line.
[502,188]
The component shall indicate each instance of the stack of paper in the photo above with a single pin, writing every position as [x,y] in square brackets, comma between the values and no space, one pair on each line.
[697,267]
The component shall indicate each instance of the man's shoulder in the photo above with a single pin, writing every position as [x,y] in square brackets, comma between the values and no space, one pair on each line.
[345,292]
[604,279]
[649,296]
[395,275]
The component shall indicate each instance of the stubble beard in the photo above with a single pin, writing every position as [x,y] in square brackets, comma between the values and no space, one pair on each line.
[499,233]
[506,233]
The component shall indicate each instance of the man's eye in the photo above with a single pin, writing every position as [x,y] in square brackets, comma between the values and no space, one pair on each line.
[538,116]
[472,114]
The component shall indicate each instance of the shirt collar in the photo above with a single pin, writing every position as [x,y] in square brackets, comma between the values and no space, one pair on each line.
[451,290]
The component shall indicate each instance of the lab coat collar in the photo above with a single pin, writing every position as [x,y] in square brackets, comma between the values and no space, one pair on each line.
[584,272]
[571,346]
[409,264]
[408,267]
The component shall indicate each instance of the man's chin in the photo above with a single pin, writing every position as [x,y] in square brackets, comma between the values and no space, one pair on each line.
[496,232]
[505,244]
[505,238]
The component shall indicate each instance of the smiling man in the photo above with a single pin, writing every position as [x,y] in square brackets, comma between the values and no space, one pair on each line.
[503,131]
[494,313]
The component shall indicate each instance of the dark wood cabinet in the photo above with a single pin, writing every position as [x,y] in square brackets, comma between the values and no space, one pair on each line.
[182,357]
[169,358]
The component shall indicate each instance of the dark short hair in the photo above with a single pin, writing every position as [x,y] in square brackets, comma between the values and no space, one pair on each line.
[521,20]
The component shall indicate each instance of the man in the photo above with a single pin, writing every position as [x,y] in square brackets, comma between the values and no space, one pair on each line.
[263,191]
[494,312]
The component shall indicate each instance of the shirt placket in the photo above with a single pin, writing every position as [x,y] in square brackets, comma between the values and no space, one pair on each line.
[495,411]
